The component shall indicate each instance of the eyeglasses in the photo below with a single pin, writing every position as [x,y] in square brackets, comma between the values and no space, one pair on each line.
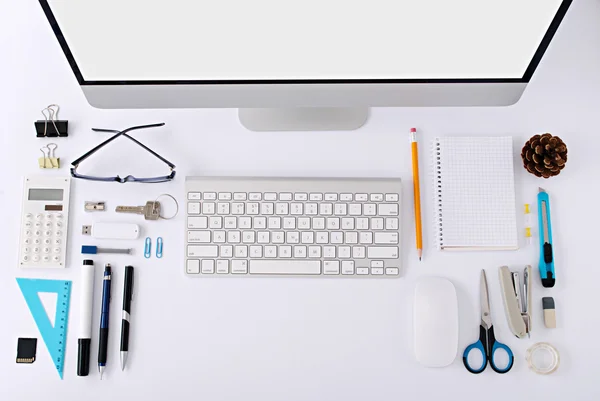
[129,178]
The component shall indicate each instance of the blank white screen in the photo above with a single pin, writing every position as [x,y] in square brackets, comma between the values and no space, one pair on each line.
[302,39]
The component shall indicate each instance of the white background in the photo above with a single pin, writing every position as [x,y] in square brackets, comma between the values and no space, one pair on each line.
[296,339]
[318,39]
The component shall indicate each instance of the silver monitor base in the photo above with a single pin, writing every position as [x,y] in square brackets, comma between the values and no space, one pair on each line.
[304,119]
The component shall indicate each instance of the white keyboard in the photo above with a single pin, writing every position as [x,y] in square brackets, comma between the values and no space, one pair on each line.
[292,227]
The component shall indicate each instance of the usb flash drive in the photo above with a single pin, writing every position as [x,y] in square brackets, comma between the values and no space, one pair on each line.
[112,230]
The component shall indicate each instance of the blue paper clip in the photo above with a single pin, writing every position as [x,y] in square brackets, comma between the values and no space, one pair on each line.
[147,248]
[159,247]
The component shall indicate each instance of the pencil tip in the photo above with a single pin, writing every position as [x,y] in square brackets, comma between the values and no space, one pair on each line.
[420,258]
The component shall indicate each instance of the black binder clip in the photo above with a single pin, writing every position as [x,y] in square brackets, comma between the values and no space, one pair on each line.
[51,126]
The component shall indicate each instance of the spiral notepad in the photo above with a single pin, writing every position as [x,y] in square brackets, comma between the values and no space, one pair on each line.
[475,193]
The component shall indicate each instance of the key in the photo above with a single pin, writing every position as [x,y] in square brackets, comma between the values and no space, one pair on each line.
[222,266]
[285,267]
[193,266]
[300,251]
[348,267]
[256,251]
[383,252]
[331,267]
[202,251]
[314,251]
[264,237]
[198,236]
[388,209]
[208,266]
[344,252]
[151,210]
[239,266]
[386,238]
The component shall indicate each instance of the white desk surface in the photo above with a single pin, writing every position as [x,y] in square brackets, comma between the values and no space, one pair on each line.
[300,339]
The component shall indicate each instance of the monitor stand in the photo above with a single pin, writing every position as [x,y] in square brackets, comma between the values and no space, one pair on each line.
[304,119]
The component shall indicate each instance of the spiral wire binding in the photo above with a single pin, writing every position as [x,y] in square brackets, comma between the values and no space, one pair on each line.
[437,190]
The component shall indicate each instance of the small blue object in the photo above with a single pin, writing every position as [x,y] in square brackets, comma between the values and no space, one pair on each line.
[55,336]
[89,249]
[487,346]
[546,264]
[159,247]
[148,248]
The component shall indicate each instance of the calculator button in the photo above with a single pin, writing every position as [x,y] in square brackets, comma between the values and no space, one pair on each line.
[25,258]
[48,224]
[59,233]
[57,241]
[47,241]
[46,258]
[47,233]
[39,216]
[27,241]
[38,224]
[59,216]
[28,215]
[56,258]
[35,258]
[36,250]
[58,224]
[26,249]
[28,233]
[37,241]
[49,216]
[28,224]
[46,250]
[37,233]
[56,250]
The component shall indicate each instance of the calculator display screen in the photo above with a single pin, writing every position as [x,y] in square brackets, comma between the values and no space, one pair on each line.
[45,194]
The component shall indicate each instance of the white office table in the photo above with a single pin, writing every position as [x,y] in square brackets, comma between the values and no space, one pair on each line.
[299,339]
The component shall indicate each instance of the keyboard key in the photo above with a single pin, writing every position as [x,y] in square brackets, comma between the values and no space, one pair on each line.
[241,251]
[289,223]
[270,251]
[222,266]
[296,267]
[193,207]
[210,196]
[391,223]
[219,236]
[264,237]
[226,196]
[248,237]
[239,266]
[234,237]
[377,263]
[386,238]
[376,197]
[255,196]
[301,196]
[337,237]
[208,266]
[278,237]
[358,252]
[370,209]
[329,252]
[198,236]
[362,223]
[240,196]
[226,251]
[346,197]
[256,251]
[208,208]
[308,237]
[318,223]
[260,222]
[285,251]
[331,267]
[252,208]
[322,237]
[266,208]
[202,251]
[377,271]
[274,222]
[311,209]
[315,197]
[237,208]
[391,197]
[270,196]
[377,223]
[304,223]
[300,251]
[314,251]
[362,271]
[194,196]
[245,222]
[348,267]
[193,266]
[360,197]
[388,209]
[326,209]
[392,271]
[383,252]
[296,208]
[348,223]
[355,209]
[331,197]
[230,222]
[197,222]
[333,223]
[352,237]
[292,237]
[285,196]
[340,209]
[281,208]
[344,252]
[365,238]
[215,222]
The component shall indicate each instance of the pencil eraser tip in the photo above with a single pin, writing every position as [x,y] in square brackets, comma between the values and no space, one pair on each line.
[413,130]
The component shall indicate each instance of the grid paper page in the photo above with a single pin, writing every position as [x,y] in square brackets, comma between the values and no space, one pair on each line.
[475,193]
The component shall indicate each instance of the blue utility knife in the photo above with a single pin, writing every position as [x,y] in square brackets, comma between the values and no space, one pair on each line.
[545,231]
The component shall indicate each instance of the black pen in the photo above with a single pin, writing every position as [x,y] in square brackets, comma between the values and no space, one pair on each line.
[103,344]
[127,296]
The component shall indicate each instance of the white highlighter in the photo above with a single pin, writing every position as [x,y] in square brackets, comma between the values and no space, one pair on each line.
[85,319]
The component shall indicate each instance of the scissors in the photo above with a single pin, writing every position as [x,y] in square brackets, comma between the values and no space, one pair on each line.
[487,343]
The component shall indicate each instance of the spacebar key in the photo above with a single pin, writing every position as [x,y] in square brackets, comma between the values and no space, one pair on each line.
[285,267]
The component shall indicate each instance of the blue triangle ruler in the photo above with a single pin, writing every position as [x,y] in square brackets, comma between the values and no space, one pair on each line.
[55,336]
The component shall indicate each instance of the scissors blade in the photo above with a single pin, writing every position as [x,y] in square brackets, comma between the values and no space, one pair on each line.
[486,319]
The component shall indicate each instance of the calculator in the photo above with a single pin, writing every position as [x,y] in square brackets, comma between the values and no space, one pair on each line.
[44,222]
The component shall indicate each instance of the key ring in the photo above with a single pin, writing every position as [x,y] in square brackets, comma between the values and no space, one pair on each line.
[176,206]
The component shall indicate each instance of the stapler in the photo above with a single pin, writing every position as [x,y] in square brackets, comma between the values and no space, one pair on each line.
[517,300]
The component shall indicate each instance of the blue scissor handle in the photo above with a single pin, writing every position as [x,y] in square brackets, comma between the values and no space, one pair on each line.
[481,346]
[495,346]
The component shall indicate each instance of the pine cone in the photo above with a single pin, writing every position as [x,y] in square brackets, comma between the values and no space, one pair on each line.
[544,155]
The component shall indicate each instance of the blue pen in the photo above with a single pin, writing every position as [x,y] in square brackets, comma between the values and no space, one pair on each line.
[103,343]
[546,252]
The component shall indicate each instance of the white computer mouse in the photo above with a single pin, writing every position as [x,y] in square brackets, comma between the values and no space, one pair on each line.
[435,322]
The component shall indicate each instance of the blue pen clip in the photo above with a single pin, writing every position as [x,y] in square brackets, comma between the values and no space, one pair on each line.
[147,248]
[159,247]
[545,231]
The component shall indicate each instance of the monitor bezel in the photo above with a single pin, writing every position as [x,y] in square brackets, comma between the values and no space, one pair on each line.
[535,61]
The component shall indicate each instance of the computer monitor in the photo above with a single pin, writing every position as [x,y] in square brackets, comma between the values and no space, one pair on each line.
[310,64]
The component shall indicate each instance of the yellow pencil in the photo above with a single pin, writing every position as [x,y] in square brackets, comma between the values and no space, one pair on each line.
[416,191]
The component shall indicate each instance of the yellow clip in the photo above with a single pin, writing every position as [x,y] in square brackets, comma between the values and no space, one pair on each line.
[527,211]
[49,162]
